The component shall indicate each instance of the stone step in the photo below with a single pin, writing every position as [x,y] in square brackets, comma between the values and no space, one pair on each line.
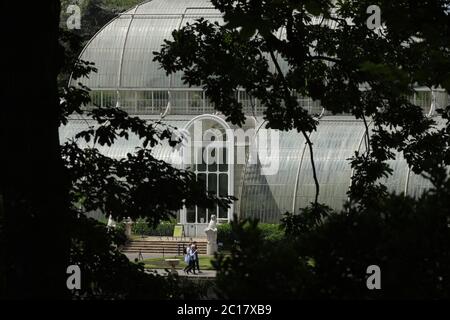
[153,246]
[166,242]
[159,246]
[156,248]
[166,252]
[171,252]
[144,243]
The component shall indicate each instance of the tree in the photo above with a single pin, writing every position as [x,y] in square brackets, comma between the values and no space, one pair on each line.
[33,183]
[333,56]
[138,186]
[45,187]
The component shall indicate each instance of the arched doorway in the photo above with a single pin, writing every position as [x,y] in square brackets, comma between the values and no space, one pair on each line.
[209,153]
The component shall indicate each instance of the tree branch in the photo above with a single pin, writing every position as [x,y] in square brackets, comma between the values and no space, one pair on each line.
[367,134]
[311,58]
[305,134]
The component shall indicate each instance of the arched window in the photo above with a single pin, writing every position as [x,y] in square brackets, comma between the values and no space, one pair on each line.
[210,152]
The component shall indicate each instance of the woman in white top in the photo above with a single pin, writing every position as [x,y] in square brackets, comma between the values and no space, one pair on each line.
[187,259]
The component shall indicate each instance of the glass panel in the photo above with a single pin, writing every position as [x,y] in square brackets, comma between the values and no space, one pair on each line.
[223,213]
[201,212]
[212,187]
[190,214]
[223,161]
[223,185]
[201,177]
[442,99]
[109,98]
[195,102]
[105,50]
[209,106]
[144,102]
[246,101]
[128,101]
[313,107]
[334,143]
[212,183]
[259,107]
[145,35]
[423,100]
[212,161]
[267,197]
[178,102]
[201,164]
[160,99]
[201,217]
[96,98]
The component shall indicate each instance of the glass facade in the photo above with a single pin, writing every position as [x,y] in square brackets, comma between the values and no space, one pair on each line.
[209,153]
[128,77]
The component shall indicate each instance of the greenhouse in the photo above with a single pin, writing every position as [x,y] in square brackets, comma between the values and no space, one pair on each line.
[128,78]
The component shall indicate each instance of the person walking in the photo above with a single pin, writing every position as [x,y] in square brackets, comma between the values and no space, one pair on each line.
[186,258]
[189,259]
[197,260]
[193,258]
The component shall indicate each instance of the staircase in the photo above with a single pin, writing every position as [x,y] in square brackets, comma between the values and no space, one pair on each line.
[162,245]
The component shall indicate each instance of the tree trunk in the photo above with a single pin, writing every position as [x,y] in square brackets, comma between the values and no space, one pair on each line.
[35,237]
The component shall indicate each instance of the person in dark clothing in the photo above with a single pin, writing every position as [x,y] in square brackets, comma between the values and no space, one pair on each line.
[193,258]
[196,262]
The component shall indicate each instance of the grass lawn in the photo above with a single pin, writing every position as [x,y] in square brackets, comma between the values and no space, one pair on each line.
[159,263]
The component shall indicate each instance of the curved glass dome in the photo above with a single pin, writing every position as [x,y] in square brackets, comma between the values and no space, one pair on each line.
[122,50]
[268,197]
[128,77]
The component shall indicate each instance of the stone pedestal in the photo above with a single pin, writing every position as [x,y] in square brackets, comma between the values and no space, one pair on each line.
[128,229]
[173,263]
[128,224]
[211,246]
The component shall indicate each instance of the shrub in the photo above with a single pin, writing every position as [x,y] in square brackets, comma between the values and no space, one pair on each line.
[164,229]
[224,236]
[269,232]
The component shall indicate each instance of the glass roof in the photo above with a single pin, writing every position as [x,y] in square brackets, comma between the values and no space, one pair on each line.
[121,146]
[335,141]
[123,50]
[268,197]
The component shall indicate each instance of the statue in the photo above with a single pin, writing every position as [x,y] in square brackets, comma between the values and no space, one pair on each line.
[211,236]
[111,223]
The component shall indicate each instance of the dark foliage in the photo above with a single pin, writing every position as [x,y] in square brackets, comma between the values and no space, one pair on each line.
[332,56]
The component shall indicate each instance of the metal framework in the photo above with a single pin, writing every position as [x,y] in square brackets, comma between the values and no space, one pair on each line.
[129,78]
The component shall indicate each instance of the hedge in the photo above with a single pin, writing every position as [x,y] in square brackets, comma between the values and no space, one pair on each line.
[164,229]
[270,232]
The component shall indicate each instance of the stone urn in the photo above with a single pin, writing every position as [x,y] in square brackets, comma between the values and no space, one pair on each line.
[173,263]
